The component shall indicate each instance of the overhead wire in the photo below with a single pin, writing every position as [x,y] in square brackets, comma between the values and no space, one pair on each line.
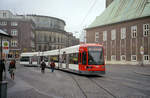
[88,12]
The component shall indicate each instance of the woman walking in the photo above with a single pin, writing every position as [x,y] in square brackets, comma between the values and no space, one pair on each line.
[11,69]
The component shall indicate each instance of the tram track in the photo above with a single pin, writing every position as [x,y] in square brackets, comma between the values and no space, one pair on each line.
[83,92]
[105,89]
[94,82]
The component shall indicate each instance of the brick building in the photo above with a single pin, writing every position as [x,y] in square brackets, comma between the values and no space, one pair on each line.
[23,35]
[123,28]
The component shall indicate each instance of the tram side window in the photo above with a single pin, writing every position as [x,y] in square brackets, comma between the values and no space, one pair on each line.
[84,58]
[54,58]
[25,59]
[73,58]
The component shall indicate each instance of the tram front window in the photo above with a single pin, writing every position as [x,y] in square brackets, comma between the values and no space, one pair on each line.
[95,57]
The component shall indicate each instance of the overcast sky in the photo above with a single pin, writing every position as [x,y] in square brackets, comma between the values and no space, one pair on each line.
[76,13]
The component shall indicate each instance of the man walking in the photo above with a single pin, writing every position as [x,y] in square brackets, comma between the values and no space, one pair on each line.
[52,65]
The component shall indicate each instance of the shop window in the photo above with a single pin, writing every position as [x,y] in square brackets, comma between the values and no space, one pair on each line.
[133,58]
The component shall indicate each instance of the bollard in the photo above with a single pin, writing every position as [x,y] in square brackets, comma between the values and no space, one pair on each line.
[3,89]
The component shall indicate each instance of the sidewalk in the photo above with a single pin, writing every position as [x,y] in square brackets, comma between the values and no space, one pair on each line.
[19,89]
[143,70]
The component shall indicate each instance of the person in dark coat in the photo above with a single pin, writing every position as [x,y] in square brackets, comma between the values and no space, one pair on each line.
[2,68]
[43,66]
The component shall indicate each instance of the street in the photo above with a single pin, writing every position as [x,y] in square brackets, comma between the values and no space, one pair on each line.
[120,81]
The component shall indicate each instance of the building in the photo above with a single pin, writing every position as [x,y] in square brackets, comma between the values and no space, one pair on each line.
[123,28]
[50,33]
[22,32]
[41,33]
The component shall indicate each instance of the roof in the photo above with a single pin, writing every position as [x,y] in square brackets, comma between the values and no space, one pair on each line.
[122,10]
[2,33]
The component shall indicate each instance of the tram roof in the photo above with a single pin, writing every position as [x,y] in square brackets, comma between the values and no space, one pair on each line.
[72,49]
[29,54]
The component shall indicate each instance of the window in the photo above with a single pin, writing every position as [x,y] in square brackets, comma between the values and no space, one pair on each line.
[3,23]
[4,14]
[123,33]
[13,43]
[133,57]
[133,31]
[104,35]
[14,23]
[123,57]
[14,32]
[145,29]
[96,36]
[95,56]
[113,34]
[32,44]
[146,57]
[84,58]
[113,58]
[32,34]
[73,58]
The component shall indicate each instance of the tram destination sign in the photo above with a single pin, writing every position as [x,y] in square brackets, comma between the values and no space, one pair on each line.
[95,48]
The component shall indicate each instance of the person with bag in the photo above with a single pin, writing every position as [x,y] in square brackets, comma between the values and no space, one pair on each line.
[11,69]
[52,65]
[43,66]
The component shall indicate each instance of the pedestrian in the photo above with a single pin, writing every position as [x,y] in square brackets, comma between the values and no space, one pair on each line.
[11,69]
[52,65]
[2,68]
[43,65]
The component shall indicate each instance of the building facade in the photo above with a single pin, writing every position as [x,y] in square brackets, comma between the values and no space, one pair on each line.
[50,33]
[122,38]
[35,33]
[23,36]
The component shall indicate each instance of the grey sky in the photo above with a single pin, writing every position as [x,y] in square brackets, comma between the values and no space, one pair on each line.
[72,12]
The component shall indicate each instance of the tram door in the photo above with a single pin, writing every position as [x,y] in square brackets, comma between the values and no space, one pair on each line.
[82,60]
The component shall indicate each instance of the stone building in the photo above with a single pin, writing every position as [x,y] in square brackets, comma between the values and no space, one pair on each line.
[47,32]
[50,33]
[22,32]
[123,28]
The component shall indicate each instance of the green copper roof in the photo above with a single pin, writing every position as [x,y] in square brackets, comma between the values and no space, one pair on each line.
[122,10]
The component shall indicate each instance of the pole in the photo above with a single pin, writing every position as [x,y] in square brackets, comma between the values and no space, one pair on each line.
[1,71]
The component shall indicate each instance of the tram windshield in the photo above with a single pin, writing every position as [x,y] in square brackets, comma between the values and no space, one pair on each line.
[95,56]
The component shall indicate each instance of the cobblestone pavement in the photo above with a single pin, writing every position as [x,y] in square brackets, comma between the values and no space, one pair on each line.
[120,81]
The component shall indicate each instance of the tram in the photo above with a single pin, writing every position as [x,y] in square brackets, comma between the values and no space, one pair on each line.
[87,59]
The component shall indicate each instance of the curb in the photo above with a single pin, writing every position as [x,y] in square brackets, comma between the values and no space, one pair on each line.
[146,74]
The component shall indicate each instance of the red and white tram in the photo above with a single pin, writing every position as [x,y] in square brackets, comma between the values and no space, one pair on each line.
[85,59]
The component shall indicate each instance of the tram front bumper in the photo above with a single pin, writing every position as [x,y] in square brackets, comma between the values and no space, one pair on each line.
[92,72]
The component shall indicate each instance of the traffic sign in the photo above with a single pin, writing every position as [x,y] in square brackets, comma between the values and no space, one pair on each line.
[5,45]
[142,50]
